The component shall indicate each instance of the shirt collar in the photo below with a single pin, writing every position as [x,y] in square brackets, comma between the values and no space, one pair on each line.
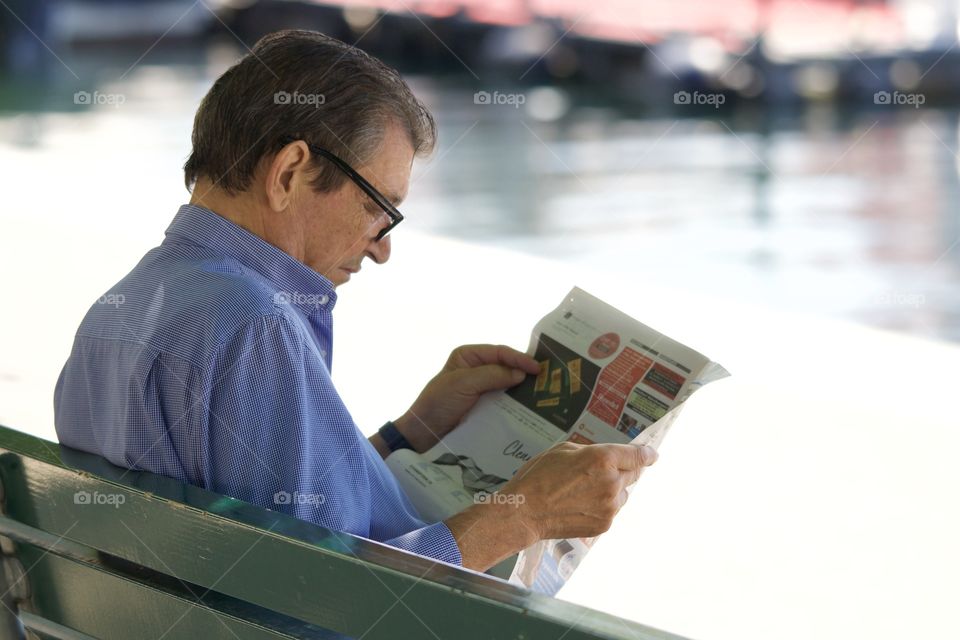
[296,283]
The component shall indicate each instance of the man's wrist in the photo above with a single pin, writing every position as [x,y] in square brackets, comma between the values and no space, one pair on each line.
[412,430]
[511,508]
[490,532]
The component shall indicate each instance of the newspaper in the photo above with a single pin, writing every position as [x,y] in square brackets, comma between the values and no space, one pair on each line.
[604,377]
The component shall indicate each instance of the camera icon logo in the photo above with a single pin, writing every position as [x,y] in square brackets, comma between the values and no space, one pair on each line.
[82,497]
[881,97]
[481,97]
[681,97]
[281,497]
[82,97]
[281,97]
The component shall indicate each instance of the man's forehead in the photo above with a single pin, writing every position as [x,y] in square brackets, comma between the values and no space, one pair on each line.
[392,183]
[390,166]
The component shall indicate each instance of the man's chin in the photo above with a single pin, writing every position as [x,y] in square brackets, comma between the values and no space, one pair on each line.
[342,276]
[338,275]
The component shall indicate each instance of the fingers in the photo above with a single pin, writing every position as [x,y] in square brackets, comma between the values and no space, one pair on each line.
[481,379]
[648,455]
[629,477]
[475,355]
[627,457]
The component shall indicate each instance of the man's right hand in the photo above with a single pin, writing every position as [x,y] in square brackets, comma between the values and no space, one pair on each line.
[568,491]
[575,490]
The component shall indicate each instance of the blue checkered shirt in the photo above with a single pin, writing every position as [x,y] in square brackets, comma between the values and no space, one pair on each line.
[210,363]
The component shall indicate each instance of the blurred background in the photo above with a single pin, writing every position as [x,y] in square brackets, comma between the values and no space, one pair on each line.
[796,153]
[797,158]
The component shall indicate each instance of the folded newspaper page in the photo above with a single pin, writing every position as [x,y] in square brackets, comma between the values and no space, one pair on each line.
[604,377]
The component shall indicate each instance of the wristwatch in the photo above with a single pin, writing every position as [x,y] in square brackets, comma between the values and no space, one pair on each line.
[392,437]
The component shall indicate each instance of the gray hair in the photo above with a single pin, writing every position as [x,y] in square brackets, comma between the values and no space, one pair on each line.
[309,86]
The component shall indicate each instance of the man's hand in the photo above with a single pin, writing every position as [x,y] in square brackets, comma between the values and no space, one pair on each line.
[574,490]
[568,491]
[471,371]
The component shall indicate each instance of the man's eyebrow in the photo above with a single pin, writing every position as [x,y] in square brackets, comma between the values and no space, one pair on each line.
[392,198]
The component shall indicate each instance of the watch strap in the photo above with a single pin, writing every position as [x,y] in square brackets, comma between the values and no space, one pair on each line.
[393,437]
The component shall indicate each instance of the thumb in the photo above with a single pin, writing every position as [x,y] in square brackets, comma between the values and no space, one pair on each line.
[488,377]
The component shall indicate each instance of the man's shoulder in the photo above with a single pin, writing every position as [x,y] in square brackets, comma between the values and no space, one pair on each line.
[187,306]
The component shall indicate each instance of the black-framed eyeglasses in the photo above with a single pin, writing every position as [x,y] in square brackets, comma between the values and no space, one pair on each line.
[395,216]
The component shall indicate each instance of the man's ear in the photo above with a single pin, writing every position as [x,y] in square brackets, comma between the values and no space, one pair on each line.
[286,172]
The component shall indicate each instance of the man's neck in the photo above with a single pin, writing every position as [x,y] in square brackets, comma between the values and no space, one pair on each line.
[245,211]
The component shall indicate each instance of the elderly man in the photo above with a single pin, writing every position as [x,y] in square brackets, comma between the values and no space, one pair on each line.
[215,369]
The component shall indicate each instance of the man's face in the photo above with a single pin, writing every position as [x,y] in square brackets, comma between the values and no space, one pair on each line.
[341,226]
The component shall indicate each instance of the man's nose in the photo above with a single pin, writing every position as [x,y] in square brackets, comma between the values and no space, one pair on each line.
[380,250]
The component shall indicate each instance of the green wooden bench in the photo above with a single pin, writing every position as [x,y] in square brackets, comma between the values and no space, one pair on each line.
[90,550]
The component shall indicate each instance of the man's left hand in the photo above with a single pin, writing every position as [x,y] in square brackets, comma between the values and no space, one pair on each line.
[471,371]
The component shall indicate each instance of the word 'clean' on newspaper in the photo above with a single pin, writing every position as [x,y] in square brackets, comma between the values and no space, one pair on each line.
[604,377]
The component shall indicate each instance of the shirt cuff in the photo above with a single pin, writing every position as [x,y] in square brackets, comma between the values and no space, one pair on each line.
[434,541]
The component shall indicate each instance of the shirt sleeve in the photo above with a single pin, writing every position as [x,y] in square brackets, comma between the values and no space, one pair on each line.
[434,541]
[281,438]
